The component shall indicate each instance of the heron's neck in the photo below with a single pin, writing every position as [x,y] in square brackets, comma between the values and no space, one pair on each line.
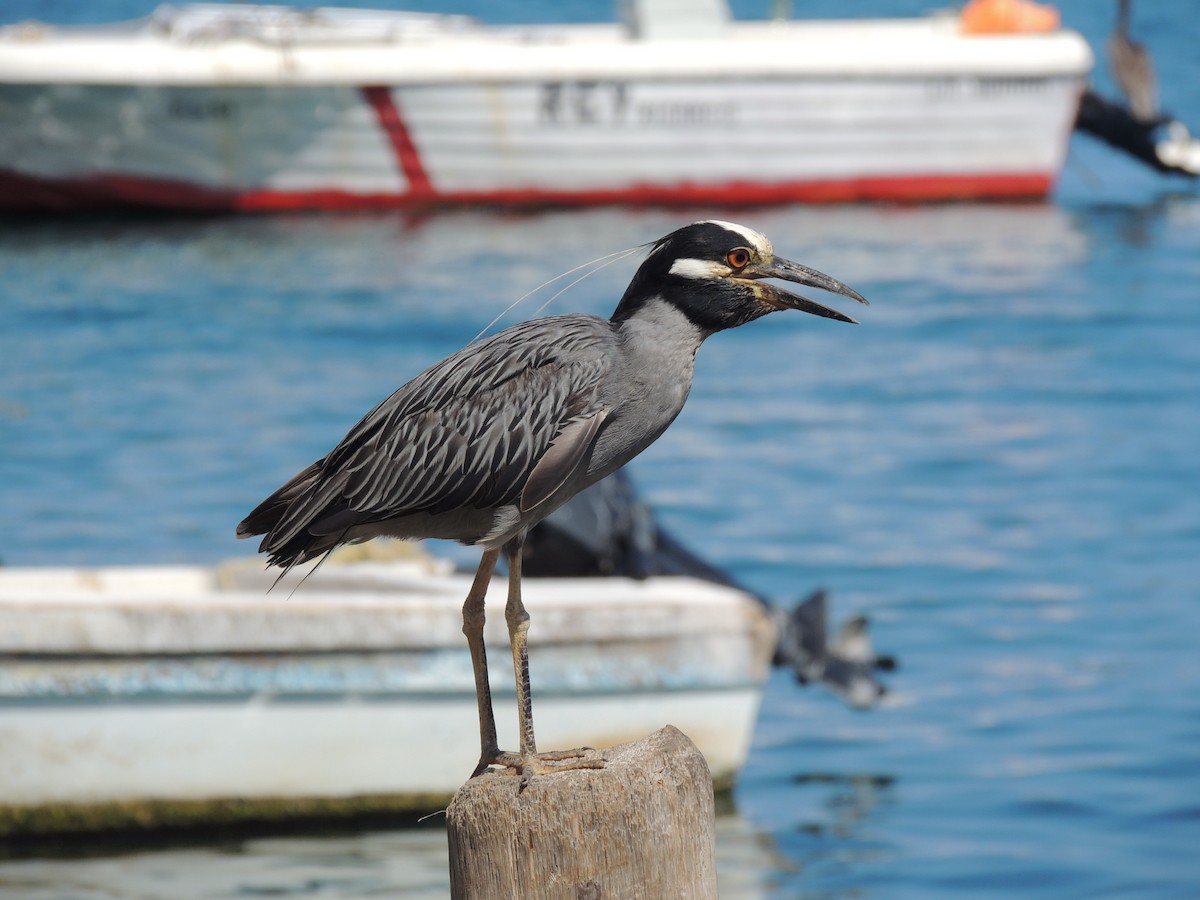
[654,376]
[661,330]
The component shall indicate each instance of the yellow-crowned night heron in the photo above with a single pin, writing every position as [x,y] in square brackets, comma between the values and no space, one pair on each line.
[493,438]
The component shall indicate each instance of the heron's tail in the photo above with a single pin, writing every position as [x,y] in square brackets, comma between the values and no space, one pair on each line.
[266,518]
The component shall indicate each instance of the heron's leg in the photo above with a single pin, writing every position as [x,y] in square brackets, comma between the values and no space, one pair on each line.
[518,631]
[473,618]
[529,762]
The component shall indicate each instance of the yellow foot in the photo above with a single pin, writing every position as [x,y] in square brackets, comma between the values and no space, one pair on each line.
[539,763]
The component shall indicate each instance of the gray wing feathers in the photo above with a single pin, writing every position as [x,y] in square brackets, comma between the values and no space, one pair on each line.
[468,432]
[560,459]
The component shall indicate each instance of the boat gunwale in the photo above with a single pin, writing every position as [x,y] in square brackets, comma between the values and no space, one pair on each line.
[869,49]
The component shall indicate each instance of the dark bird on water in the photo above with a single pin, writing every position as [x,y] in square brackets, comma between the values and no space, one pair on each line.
[845,663]
[492,439]
[1132,68]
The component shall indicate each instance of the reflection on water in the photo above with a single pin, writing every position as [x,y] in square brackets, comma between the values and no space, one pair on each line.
[849,800]
[958,246]
[408,863]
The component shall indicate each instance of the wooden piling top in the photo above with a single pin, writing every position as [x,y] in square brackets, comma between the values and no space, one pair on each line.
[641,827]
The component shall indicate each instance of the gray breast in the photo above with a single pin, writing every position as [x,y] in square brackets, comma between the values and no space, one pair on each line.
[657,355]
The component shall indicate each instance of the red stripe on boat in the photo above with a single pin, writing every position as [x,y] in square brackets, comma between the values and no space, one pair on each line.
[407,156]
[25,192]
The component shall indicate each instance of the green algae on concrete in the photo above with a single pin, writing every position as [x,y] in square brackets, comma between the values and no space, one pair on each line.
[151,815]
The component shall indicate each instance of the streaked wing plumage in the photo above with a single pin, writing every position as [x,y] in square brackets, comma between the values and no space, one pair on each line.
[465,433]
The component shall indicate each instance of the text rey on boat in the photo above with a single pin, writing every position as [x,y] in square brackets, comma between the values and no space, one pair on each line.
[492,439]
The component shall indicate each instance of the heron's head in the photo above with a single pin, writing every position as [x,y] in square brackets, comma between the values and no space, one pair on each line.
[712,272]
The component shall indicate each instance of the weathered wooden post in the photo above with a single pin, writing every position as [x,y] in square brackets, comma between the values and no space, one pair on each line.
[641,827]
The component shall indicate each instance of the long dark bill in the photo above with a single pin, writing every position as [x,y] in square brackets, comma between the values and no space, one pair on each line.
[789,271]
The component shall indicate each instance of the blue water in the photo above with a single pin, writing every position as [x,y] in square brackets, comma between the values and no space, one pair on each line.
[1001,466]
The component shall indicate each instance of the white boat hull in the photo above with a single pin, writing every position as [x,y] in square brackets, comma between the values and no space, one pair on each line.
[417,751]
[132,686]
[818,112]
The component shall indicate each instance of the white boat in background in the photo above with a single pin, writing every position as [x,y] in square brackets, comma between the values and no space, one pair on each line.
[145,694]
[228,107]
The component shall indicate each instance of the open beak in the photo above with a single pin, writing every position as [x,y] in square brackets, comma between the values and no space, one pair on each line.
[778,298]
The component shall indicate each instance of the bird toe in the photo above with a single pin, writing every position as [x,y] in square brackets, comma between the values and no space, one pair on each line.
[539,763]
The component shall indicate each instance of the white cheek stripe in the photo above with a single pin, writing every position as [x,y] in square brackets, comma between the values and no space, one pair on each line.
[757,240]
[699,268]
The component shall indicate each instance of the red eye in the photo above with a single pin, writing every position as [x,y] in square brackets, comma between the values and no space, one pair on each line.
[738,258]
